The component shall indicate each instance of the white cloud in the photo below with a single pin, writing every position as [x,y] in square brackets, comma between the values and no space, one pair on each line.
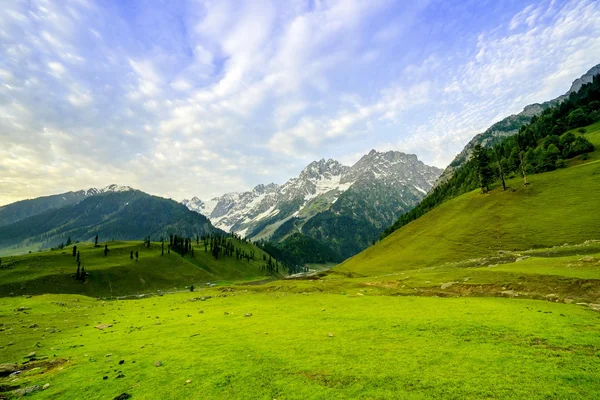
[248,91]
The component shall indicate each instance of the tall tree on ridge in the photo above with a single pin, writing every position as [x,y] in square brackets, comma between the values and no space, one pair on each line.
[482,163]
[96,241]
[74,250]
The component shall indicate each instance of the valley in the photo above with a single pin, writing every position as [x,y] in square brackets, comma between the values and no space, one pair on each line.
[319,200]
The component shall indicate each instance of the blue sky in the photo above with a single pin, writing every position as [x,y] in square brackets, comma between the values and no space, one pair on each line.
[197,98]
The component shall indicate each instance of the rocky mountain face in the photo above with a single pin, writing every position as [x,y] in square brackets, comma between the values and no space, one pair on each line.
[344,207]
[20,210]
[510,125]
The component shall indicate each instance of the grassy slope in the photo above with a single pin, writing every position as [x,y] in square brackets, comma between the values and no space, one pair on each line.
[558,207]
[383,347]
[116,274]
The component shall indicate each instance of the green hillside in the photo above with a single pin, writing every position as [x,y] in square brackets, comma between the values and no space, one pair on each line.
[117,275]
[127,215]
[557,207]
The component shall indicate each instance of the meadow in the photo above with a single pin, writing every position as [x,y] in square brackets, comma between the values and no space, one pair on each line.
[493,296]
[301,346]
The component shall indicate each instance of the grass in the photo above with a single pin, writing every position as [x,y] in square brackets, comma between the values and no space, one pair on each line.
[558,207]
[382,347]
[118,275]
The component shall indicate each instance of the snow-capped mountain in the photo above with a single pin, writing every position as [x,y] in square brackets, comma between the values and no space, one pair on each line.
[107,189]
[393,182]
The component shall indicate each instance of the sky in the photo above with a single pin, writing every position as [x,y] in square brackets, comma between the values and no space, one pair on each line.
[183,98]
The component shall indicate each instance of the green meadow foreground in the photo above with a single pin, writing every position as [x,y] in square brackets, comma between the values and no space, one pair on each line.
[300,346]
[493,296]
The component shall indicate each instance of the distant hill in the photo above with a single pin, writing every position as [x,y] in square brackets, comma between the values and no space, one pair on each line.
[112,215]
[15,212]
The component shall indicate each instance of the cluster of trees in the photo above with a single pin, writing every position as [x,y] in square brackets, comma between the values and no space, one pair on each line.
[296,251]
[180,244]
[271,265]
[541,145]
[223,246]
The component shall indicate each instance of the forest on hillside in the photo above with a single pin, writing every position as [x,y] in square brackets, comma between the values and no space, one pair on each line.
[541,145]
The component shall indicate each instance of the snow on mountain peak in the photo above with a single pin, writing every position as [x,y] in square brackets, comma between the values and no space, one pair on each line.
[325,179]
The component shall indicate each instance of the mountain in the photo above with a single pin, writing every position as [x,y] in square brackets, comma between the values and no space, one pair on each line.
[344,207]
[556,208]
[510,125]
[15,212]
[116,213]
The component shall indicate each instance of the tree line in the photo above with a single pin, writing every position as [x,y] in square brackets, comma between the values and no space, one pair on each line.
[544,144]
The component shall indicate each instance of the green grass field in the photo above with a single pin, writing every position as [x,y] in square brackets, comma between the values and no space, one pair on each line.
[117,275]
[382,347]
[492,296]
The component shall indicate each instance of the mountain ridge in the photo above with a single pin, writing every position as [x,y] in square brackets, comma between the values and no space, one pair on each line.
[393,181]
[510,125]
[17,211]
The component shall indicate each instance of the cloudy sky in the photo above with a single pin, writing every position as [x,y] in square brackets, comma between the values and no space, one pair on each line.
[188,97]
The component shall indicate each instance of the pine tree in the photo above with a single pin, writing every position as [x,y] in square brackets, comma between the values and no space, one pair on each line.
[105,250]
[131,255]
[137,256]
[82,276]
[162,248]
[78,254]
[77,274]
[482,163]
[68,241]
[96,241]
[75,251]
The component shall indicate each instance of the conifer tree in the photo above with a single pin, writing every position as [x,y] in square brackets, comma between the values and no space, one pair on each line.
[78,254]
[137,256]
[82,276]
[484,171]
[77,274]
[96,241]
[131,255]
[105,250]
[162,248]
[74,250]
